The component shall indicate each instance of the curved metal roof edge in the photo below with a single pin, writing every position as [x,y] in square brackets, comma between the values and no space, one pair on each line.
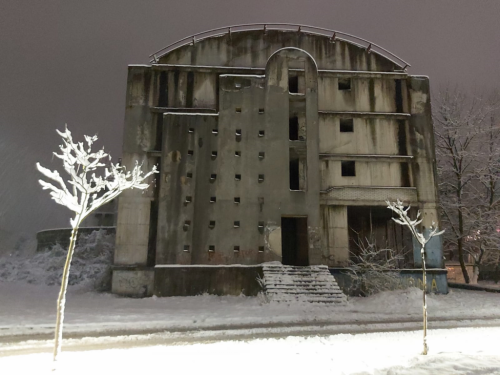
[320,31]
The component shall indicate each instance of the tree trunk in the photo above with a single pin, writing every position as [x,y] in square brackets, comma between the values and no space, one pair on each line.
[61,301]
[461,236]
[424,281]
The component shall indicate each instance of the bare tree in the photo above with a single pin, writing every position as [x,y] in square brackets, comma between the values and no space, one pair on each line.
[373,268]
[405,220]
[460,126]
[86,193]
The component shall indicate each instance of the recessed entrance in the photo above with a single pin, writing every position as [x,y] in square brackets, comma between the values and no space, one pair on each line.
[294,241]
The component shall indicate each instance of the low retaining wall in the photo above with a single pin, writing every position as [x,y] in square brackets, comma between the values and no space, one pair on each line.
[177,280]
[50,237]
[436,280]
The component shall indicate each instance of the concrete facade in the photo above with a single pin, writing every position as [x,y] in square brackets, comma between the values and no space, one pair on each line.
[272,146]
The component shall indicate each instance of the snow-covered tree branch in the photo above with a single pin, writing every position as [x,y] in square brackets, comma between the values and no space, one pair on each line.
[85,193]
[405,220]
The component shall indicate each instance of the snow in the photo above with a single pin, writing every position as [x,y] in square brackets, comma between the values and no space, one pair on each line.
[452,351]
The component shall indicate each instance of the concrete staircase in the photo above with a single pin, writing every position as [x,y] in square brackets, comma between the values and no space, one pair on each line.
[305,284]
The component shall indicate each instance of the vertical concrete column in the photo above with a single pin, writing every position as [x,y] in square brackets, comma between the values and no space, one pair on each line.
[335,235]
[421,144]
[132,231]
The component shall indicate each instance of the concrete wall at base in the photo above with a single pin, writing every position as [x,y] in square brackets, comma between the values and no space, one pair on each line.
[133,281]
[195,280]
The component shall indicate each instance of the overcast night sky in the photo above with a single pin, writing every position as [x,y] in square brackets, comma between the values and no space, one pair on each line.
[64,61]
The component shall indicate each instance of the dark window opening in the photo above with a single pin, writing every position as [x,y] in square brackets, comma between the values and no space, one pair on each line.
[261,177]
[344,84]
[188,199]
[186,225]
[236,248]
[238,132]
[211,224]
[261,133]
[211,248]
[261,249]
[346,125]
[213,199]
[186,247]
[262,155]
[399,96]
[293,128]
[293,84]
[261,224]
[238,109]
[163,90]
[214,155]
[213,177]
[237,153]
[348,168]
[236,224]
[237,200]
[294,174]
[261,110]
[191,130]
[215,131]
[189,175]
[237,177]
[190,152]
[190,89]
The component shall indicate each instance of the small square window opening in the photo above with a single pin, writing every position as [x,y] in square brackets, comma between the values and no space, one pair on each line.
[344,84]
[211,248]
[186,247]
[237,177]
[262,155]
[261,133]
[237,153]
[237,200]
[211,224]
[238,109]
[236,248]
[190,152]
[191,130]
[213,199]
[348,168]
[346,125]
[236,224]
[261,249]
[261,177]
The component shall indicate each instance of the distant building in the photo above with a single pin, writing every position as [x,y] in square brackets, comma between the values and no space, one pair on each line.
[273,145]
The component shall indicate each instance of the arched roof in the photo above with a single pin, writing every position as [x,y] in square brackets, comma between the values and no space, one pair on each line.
[250,45]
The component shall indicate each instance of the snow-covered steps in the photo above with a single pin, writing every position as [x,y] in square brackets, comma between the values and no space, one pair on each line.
[306,284]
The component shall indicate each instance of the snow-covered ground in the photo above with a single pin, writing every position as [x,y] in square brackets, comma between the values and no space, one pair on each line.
[454,351]
[30,309]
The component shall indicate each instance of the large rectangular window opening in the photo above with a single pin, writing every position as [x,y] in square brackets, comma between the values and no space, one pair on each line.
[293,84]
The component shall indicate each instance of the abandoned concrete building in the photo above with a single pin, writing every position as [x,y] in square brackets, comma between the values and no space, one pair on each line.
[274,143]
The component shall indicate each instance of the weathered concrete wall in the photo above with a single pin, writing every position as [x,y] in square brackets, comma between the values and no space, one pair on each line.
[368,173]
[133,281]
[195,280]
[253,49]
[335,236]
[370,135]
[132,232]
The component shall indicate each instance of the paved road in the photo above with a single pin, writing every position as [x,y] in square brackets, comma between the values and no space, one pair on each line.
[127,338]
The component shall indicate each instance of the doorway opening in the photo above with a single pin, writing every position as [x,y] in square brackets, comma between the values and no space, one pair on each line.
[294,241]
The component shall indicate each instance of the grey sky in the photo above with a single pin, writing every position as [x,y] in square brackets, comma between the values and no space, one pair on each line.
[64,61]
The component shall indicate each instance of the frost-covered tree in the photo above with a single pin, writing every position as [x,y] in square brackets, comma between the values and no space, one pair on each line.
[405,220]
[84,193]
[468,160]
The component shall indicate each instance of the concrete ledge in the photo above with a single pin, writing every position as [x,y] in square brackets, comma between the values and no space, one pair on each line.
[178,280]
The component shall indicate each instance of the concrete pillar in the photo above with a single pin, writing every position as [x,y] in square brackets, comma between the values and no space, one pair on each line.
[421,146]
[132,231]
[335,235]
